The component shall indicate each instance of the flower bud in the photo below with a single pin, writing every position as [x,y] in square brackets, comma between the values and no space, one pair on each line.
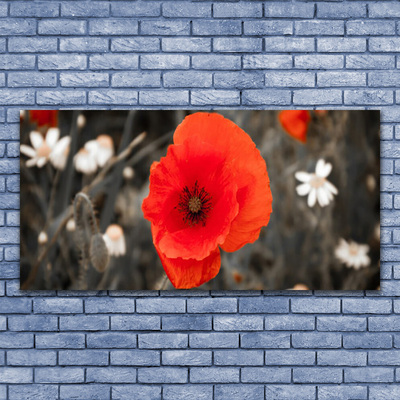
[42,238]
[81,121]
[71,225]
[98,252]
[128,173]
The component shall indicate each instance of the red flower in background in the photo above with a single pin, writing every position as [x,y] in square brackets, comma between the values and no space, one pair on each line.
[295,123]
[48,118]
[210,191]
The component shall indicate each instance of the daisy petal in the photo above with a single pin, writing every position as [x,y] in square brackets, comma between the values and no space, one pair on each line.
[31,163]
[332,188]
[312,198]
[322,197]
[52,136]
[36,139]
[41,162]
[325,170]
[303,189]
[27,150]
[302,176]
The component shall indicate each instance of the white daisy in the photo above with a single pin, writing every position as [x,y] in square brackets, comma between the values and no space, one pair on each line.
[105,149]
[85,160]
[115,240]
[42,238]
[353,254]
[60,152]
[316,186]
[41,148]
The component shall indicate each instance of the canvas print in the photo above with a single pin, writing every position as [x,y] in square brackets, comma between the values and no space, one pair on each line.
[208,200]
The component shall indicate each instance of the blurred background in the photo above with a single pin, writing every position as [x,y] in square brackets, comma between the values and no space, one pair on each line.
[302,247]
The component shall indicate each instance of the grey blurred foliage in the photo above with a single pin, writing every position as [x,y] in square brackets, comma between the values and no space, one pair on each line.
[297,246]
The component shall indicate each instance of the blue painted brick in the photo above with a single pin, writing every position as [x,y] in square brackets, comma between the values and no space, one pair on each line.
[62,61]
[367,341]
[235,392]
[12,150]
[135,322]
[37,392]
[186,357]
[87,45]
[289,79]
[135,357]
[215,97]
[290,392]
[260,28]
[285,45]
[164,28]
[396,275]
[366,306]
[60,375]
[370,61]
[342,358]
[16,340]
[135,44]
[111,375]
[85,9]
[31,357]
[386,323]
[267,61]
[384,79]
[240,323]
[384,357]
[341,45]
[61,97]
[162,375]
[32,45]
[319,61]
[113,61]
[186,10]
[60,340]
[345,10]
[187,79]
[215,62]
[160,305]
[260,340]
[368,97]
[212,305]
[19,26]
[264,375]
[109,96]
[13,183]
[260,96]
[8,201]
[32,323]
[109,306]
[186,323]
[387,44]
[318,27]
[382,10]
[194,45]
[342,392]
[83,357]
[163,340]
[17,61]
[319,340]
[317,375]
[57,306]
[36,9]
[238,357]
[240,10]
[12,218]
[290,357]
[138,9]
[288,10]
[368,374]
[136,79]
[386,167]
[3,9]
[16,375]
[164,61]
[15,305]
[83,79]
[157,98]
[325,306]
[9,271]
[84,322]
[365,27]
[214,339]
[289,323]
[239,80]
[111,340]
[179,392]
[216,27]
[3,322]
[263,305]
[342,78]
[111,26]
[235,45]
[341,323]
[61,27]
[92,391]
[386,236]
[136,392]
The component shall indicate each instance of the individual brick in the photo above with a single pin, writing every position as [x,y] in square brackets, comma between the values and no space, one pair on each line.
[110,375]
[237,45]
[33,391]
[32,323]
[83,357]
[153,97]
[342,358]
[290,357]
[186,357]
[347,10]
[179,392]
[342,78]
[84,323]
[318,27]
[193,45]
[187,79]
[61,27]
[163,340]
[290,392]
[92,391]
[216,27]
[85,9]
[110,340]
[263,305]
[214,340]
[367,340]
[179,9]
[214,375]
[135,44]
[214,97]
[136,79]
[288,10]
[266,375]
[17,61]
[364,27]
[370,61]
[369,375]
[289,79]
[319,61]
[384,357]
[267,61]
[187,323]
[326,306]
[31,357]
[113,61]
[135,322]
[62,61]
[215,62]
[317,375]
[238,323]
[289,323]
[16,375]
[32,45]
[162,375]
[36,9]
[366,306]
[109,306]
[384,10]
[269,27]
[238,10]
[60,375]
[343,392]
[139,9]
[368,97]
[341,323]
[136,392]
[164,27]
[235,392]
[164,61]
[341,45]
[83,79]
[238,357]
[385,44]
[135,357]
[57,306]
[20,26]
[318,340]
[113,26]
[261,96]
[263,340]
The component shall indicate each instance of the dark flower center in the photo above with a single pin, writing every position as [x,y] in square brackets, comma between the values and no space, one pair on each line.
[194,204]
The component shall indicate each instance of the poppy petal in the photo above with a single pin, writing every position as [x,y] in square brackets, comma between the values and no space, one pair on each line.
[44,117]
[295,123]
[186,274]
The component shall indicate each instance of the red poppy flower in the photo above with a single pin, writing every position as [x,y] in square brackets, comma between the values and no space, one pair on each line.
[295,123]
[47,118]
[210,191]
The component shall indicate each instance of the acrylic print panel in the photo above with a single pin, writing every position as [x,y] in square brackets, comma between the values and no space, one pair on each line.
[225,200]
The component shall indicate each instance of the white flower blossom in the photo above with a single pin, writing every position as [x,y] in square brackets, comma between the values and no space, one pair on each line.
[353,254]
[316,186]
[115,240]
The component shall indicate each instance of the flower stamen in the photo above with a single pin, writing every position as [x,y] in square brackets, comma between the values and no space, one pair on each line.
[194,204]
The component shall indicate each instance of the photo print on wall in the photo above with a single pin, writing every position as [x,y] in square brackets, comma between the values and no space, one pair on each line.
[209,200]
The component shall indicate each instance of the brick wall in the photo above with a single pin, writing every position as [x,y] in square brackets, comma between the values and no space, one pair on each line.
[217,345]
